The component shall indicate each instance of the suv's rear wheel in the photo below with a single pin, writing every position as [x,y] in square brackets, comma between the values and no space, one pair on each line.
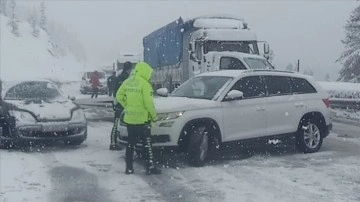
[198,146]
[309,136]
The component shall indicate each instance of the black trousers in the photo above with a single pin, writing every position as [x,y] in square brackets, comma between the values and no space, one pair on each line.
[139,132]
[95,92]
[114,132]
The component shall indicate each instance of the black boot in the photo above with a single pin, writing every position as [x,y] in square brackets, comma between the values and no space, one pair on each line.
[153,171]
[129,169]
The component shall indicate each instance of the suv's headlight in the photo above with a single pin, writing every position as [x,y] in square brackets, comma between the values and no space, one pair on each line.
[169,116]
[78,116]
[23,117]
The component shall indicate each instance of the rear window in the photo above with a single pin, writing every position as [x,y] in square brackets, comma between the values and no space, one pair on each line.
[301,86]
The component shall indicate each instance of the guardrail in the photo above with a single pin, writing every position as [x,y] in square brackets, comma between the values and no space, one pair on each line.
[345,103]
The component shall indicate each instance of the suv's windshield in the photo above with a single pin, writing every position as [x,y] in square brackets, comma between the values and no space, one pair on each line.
[257,63]
[32,90]
[202,87]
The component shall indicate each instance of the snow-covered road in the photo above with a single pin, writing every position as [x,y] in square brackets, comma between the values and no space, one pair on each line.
[91,172]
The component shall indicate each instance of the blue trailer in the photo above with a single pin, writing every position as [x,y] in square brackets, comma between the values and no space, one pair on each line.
[177,51]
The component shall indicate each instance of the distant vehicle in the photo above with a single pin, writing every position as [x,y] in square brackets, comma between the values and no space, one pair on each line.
[213,109]
[180,49]
[86,87]
[122,58]
[39,112]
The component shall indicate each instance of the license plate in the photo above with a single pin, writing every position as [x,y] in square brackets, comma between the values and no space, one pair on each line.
[54,128]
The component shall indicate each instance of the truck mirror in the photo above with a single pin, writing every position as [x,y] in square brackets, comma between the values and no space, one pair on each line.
[266,48]
[191,47]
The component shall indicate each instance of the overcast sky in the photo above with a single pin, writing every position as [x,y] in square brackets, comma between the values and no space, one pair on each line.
[305,30]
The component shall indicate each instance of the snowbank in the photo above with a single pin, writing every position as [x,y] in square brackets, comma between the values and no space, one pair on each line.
[341,89]
[28,57]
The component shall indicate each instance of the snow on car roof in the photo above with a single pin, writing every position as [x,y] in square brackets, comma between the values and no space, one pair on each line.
[238,73]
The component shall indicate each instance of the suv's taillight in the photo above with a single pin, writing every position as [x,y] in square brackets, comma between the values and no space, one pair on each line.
[326,102]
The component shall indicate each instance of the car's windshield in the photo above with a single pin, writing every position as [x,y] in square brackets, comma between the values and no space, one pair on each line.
[202,87]
[33,90]
[257,63]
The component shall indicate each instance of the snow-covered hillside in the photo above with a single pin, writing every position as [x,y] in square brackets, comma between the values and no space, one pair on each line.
[26,56]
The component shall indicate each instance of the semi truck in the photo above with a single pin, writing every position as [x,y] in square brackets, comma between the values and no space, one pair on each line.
[184,48]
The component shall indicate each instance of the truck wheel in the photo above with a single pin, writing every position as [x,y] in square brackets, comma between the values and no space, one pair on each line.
[309,136]
[198,146]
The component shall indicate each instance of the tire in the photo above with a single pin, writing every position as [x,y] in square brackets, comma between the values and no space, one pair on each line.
[309,137]
[74,142]
[198,146]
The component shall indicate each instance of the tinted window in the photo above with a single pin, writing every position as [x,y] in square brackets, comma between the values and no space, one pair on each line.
[302,86]
[201,87]
[278,85]
[252,86]
[231,63]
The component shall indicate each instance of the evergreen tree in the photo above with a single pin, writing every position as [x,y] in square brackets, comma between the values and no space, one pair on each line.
[13,18]
[42,22]
[350,58]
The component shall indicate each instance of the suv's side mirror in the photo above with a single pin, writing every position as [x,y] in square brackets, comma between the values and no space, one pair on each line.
[162,92]
[234,95]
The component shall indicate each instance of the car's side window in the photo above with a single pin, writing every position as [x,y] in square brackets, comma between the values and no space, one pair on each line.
[278,85]
[252,87]
[231,63]
[301,86]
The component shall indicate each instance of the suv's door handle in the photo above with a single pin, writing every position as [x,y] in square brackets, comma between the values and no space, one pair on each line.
[299,104]
[260,109]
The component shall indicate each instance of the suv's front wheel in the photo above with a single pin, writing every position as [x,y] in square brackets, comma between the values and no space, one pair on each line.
[309,136]
[198,146]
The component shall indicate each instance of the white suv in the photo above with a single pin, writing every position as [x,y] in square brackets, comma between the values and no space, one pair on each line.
[214,108]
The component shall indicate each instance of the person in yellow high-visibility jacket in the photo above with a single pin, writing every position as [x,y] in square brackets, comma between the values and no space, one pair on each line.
[136,97]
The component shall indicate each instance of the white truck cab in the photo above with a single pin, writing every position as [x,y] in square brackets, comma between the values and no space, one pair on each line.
[233,61]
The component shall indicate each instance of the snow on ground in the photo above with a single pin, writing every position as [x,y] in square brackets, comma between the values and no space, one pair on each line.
[23,177]
[347,114]
[27,57]
[90,172]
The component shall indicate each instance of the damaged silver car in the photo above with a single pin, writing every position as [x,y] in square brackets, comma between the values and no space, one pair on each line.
[36,111]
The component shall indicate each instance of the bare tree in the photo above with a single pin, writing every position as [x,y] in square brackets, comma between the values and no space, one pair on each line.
[34,22]
[42,22]
[327,77]
[290,67]
[4,7]
[13,18]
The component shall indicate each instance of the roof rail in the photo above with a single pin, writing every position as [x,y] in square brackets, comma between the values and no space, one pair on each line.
[271,70]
